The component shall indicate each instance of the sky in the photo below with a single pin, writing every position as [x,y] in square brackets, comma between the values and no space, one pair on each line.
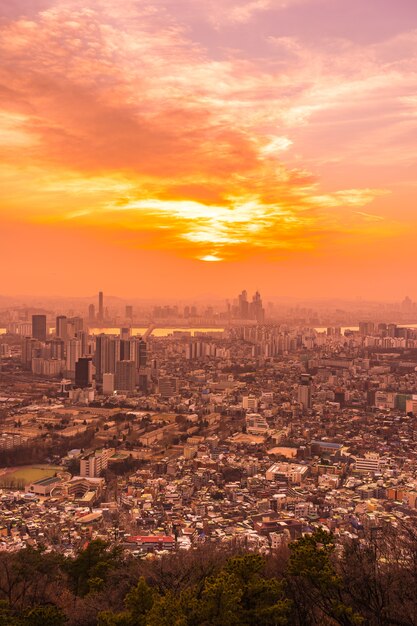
[182,148]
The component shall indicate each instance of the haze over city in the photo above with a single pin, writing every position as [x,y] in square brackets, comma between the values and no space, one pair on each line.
[187,148]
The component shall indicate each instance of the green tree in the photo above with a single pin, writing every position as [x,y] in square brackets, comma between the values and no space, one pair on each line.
[89,570]
[138,602]
[316,587]
[167,611]
[240,594]
[48,615]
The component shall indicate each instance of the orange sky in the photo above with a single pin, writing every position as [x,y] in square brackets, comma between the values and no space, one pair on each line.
[184,148]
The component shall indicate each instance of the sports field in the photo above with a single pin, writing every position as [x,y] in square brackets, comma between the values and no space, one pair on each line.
[20,476]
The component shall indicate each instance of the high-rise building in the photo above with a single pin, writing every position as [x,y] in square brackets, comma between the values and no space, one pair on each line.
[57,348]
[143,354]
[61,327]
[84,372]
[243,305]
[304,391]
[91,313]
[100,307]
[139,352]
[108,384]
[256,309]
[31,348]
[125,375]
[366,328]
[93,464]
[77,324]
[129,312]
[124,350]
[101,356]
[73,354]
[39,327]
[82,335]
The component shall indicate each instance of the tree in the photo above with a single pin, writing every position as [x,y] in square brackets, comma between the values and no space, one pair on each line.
[138,603]
[48,615]
[89,570]
[316,587]
[29,577]
[167,611]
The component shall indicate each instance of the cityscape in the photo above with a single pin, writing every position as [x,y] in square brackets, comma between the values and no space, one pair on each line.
[208,313]
[244,436]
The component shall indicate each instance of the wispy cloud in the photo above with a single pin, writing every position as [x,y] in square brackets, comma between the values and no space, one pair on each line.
[115,116]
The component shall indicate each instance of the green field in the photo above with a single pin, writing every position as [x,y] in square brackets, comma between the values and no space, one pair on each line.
[21,476]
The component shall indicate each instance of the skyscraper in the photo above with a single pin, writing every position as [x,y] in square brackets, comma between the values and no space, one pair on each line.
[124,350]
[256,308]
[243,305]
[101,356]
[142,354]
[125,375]
[304,391]
[39,327]
[91,313]
[61,327]
[100,307]
[84,372]
[73,354]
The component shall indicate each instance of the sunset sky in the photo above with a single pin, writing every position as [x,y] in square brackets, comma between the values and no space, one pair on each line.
[179,148]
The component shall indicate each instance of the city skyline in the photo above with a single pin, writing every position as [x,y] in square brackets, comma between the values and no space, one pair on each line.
[177,149]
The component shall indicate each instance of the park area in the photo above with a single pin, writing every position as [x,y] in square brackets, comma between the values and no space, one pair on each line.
[19,477]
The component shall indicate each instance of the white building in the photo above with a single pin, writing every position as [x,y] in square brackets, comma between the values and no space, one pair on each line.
[250,402]
[108,384]
[370,464]
[256,424]
[91,465]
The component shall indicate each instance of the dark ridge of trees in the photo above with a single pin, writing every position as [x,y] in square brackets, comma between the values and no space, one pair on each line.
[313,581]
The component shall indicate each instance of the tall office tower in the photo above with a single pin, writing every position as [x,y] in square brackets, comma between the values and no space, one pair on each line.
[139,352]
[77,323]
[243,305]
[82,335]
[366,328]
[100,316]
[84,372]
[91,313]
[256,308]
[392,330]
[61,327]
[101,356]
[108,384]
[113,355]
[125,375]
[123,351]
[129,312]
[73,354]
[57,349]
[30,349]
[39,327]
[304,391]
[143,353]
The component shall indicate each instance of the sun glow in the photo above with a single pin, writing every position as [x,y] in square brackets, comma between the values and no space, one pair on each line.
[126,126]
